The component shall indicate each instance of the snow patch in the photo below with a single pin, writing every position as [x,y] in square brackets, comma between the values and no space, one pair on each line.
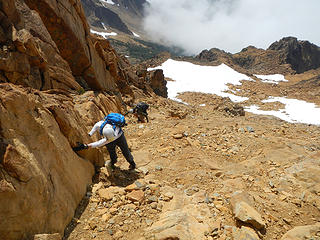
[189,77]
[136,35]
[274,78]
[295,111]
[107,1]
[103,34]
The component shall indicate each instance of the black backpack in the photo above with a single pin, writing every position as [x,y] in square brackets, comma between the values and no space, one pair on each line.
[142,107]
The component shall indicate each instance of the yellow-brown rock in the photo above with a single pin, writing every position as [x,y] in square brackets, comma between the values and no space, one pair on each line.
[42,180]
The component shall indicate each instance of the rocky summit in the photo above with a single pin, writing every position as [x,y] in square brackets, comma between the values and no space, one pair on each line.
[206,168]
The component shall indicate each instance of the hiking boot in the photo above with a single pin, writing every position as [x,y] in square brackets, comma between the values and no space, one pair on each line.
[110,165]
[132,167]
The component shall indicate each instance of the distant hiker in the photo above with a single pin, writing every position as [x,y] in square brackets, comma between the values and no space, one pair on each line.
[140,111]
[113,135]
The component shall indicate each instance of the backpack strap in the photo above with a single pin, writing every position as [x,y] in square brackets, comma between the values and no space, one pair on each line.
[102,126]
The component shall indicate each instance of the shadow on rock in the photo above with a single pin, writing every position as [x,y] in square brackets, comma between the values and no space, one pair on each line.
[78,212]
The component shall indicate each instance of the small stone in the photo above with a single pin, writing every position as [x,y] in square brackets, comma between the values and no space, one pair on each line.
[55,236]
[152,199]
[245,213]
[92,225]
[154,205]
[168,195]
[303,232]
[134,186]
[245,233]
[208,200]
[149,222]
[241,130]
[97,187]
[271,184]
[144,170]
[136,196]
[113,210]
[110,231]
[106,194]
[111,221]
[158,168]
[250,129]
[105,217]
[178,136]
[287,221]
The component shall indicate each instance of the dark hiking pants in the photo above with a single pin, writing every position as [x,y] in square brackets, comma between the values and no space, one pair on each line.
[123,145]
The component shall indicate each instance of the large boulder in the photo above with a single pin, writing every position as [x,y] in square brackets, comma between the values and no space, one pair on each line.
[303,232]
[183,217]
[158,83]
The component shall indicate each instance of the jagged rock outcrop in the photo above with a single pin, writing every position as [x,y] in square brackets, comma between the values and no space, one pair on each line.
[214,54]
[285,56]
[29,56]
[301,55]
[68,28]
[116,65]
[158,83]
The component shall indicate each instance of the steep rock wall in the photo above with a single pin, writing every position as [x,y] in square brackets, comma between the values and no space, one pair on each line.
[41,179]
[68,27]
[29,56]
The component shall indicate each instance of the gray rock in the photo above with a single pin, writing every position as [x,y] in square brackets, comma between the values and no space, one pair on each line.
[152,199]
[158,168]
[250,129]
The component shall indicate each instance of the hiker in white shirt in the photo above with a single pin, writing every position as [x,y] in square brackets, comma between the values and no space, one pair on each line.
[112,136]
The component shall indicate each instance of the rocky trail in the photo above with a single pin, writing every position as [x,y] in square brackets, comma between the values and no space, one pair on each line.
[205,174]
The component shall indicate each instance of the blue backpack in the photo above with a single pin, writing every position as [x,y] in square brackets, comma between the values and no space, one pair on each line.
[114,119]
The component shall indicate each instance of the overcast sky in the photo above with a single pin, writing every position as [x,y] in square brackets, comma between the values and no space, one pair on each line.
[231,25]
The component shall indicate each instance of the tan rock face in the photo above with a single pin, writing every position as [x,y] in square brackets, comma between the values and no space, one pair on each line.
[158,84]
[42,180]
[303,232]
[29,56]
[68,27]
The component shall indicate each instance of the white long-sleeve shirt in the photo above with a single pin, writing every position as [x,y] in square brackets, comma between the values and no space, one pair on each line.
[105,140]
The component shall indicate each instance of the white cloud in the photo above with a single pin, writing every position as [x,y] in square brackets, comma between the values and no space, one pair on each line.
[231,25]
